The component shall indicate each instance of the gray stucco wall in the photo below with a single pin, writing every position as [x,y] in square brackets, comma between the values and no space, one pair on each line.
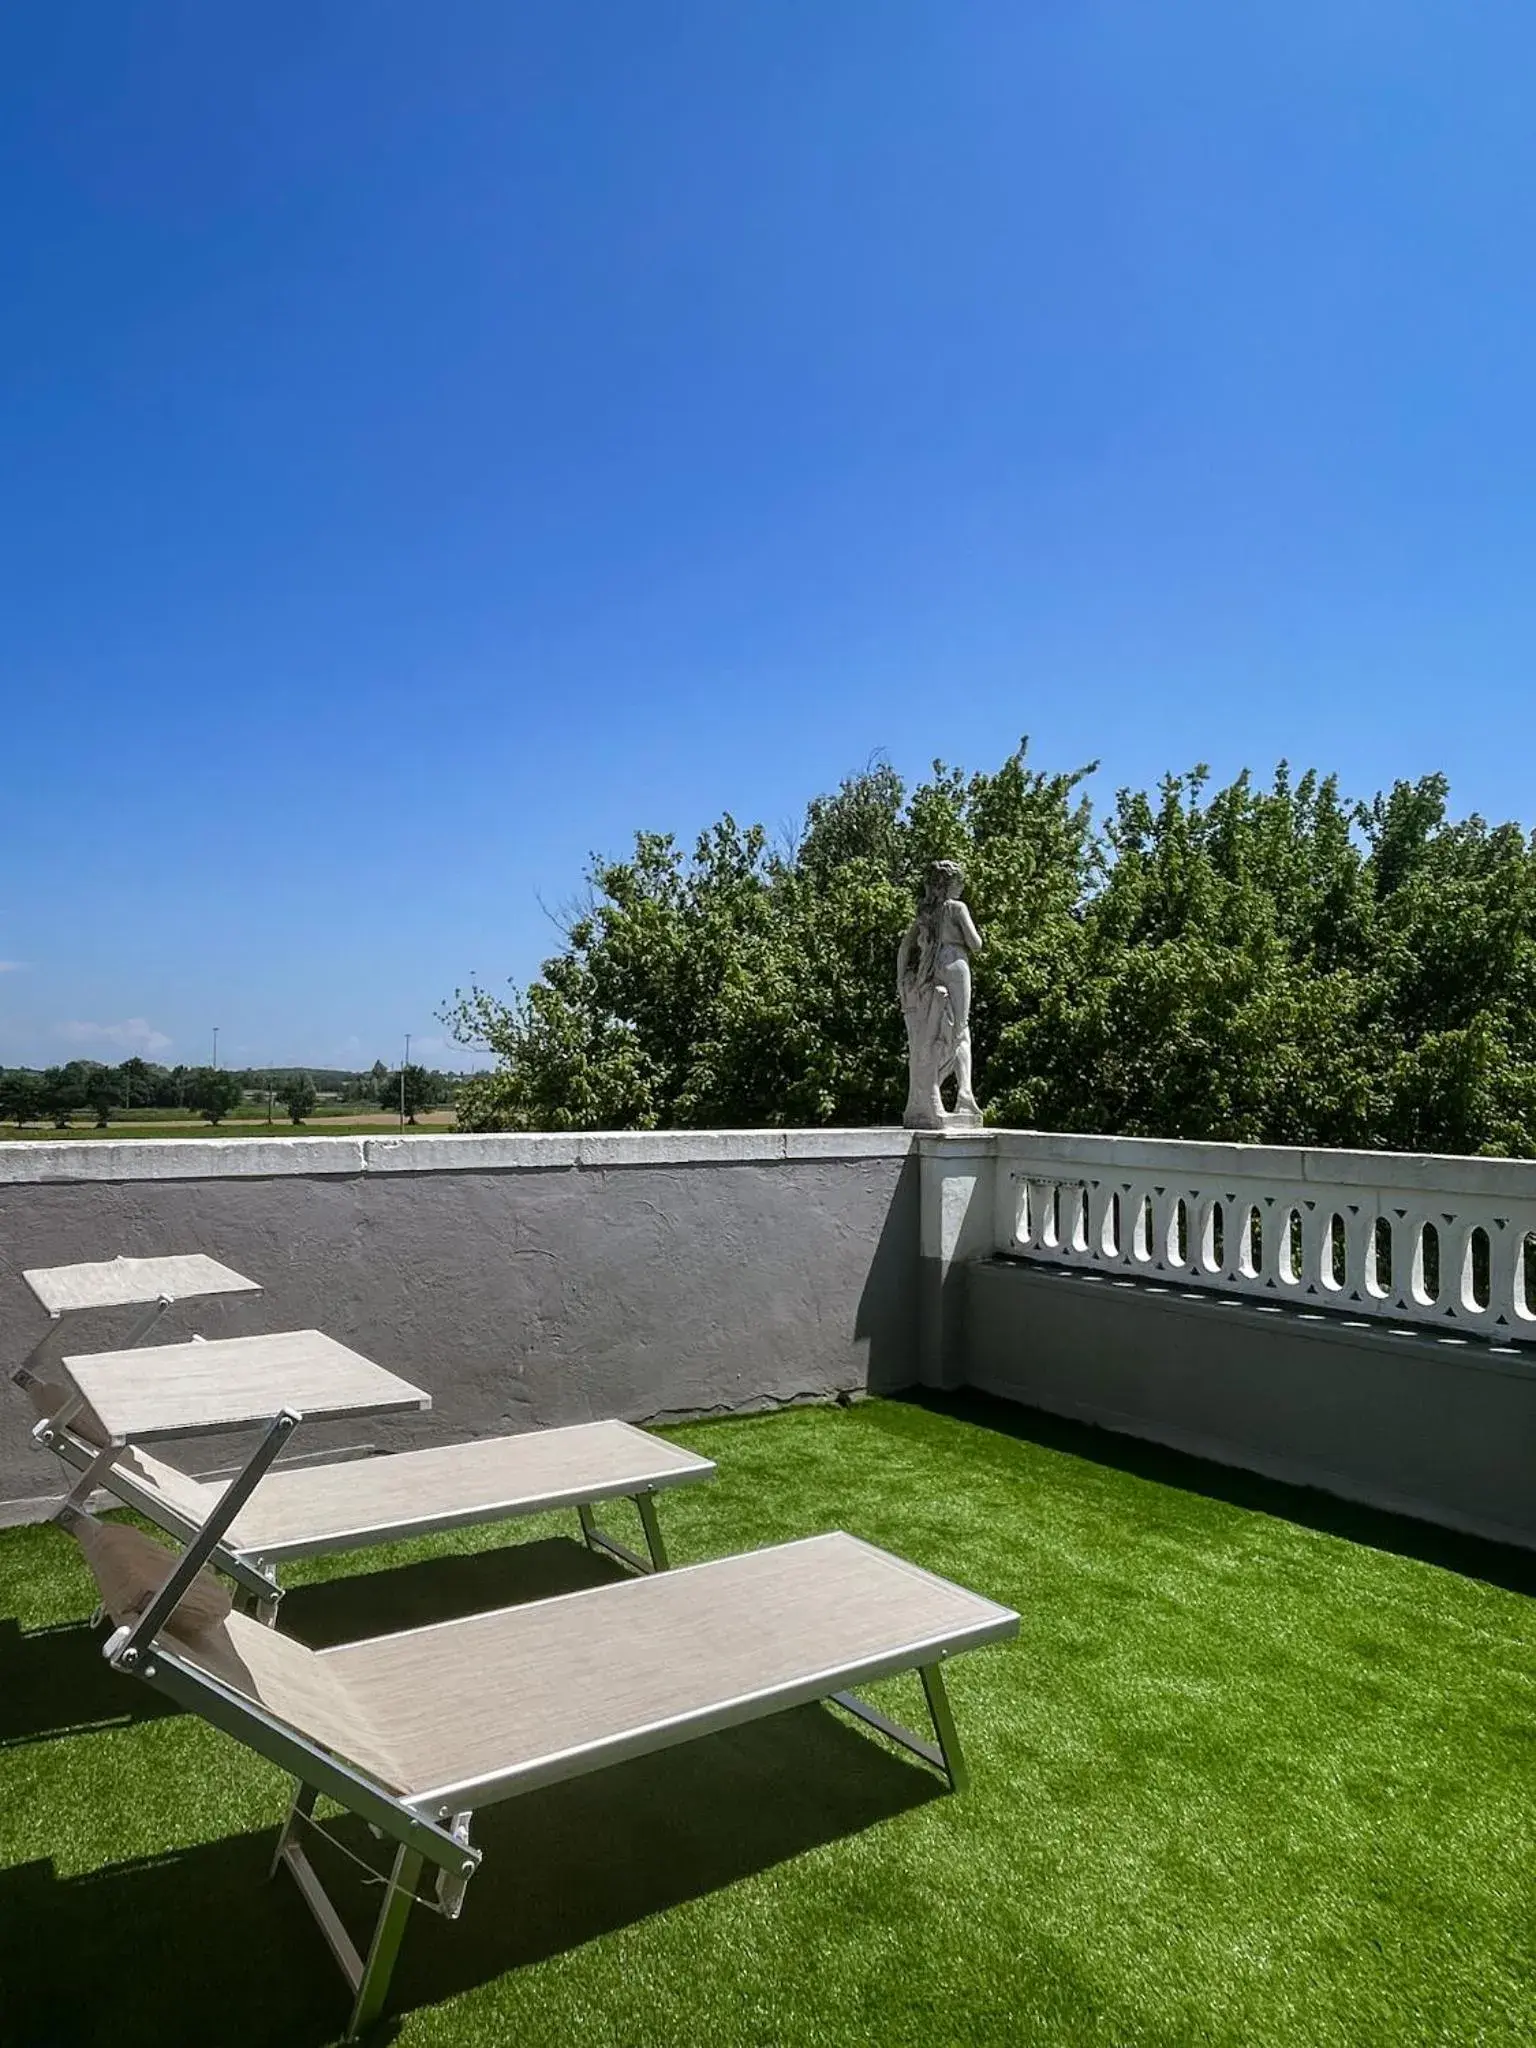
[1437,1427]
[521,1281]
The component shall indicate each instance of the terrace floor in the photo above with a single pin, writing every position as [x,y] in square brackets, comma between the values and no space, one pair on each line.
[1254,1772]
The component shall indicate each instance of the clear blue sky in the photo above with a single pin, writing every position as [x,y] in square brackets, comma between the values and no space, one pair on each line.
[438,440]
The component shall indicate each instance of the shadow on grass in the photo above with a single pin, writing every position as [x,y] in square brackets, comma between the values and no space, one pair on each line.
[1475,1557]
[197,1947]
[54,1682]
[345,1610]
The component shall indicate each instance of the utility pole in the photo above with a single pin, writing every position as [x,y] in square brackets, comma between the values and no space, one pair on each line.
[215,1048]
[402,1079]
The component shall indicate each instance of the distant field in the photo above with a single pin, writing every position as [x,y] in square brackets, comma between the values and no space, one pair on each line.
[364,1124]
[256,1113]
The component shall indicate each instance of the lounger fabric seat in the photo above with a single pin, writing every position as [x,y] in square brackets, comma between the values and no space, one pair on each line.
[323,1507]
[303,1510]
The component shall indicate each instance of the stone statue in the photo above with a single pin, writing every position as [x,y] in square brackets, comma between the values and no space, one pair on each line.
[933,983]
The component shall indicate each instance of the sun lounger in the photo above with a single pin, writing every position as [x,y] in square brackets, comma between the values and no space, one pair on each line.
[307,1510]
[113,1401]
[415,1732]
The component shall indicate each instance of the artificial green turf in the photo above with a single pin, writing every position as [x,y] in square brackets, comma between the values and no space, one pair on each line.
[1239,1780]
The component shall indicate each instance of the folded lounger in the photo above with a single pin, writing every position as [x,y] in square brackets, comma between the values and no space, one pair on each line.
[306,1510]
[414,1732]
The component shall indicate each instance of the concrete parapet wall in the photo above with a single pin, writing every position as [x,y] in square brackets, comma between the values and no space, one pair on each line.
[531,1280]
[523,1280]
[1439,1427]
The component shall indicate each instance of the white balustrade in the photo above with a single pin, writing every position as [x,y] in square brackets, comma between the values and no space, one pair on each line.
[1445,1241]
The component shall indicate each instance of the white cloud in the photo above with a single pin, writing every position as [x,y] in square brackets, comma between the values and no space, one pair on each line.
[12,966]
[131,1034]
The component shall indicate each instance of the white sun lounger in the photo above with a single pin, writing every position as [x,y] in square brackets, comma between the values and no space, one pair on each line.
[113,1402]
[415,1732]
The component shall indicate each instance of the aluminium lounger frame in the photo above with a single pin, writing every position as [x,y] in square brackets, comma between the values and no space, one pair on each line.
[431,1828]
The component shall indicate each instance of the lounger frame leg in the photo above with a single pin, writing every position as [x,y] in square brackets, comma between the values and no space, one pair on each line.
[301,1807]
[945,1755]
[368,1980]
[599,1539]
[942,1715]
[291,1851]
[388,1932]
[645,1504]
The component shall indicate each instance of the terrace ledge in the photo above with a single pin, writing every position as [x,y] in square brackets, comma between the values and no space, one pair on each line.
[159,1159]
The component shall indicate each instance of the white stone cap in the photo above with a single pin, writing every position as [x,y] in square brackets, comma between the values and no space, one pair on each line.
[117,1283]
[159,1159]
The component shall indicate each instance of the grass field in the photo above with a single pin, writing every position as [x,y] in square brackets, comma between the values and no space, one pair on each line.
[346,1120]
[1243,1779]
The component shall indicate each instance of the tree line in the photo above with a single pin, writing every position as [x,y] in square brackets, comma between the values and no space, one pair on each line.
[1272,962]
[57,1095]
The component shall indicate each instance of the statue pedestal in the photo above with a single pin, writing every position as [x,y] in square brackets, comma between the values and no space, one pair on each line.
[946,1120]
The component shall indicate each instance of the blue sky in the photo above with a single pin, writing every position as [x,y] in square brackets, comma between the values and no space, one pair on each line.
[440,440]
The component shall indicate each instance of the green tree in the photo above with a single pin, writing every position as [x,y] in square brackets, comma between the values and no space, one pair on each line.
[137,1083]
[298,1097]
[103,1091]
[214,1092]
[21,1096]
[745,985]
[411,1085]
[1270,963]
[63,1093]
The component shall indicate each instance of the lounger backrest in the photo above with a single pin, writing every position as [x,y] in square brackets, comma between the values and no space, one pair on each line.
[292,1685]
[185,1497]
[129,1569]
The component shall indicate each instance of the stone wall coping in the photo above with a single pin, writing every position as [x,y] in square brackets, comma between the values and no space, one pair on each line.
[158,1159]
[153,1159]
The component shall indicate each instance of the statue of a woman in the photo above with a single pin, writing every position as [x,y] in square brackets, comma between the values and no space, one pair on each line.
[933,982]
